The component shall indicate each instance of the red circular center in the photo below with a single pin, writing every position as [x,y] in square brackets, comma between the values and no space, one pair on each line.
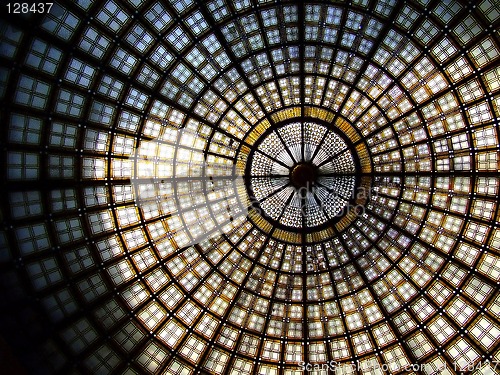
[303,175]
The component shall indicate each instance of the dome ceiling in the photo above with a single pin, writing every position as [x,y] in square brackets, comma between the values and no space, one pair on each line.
[252,187]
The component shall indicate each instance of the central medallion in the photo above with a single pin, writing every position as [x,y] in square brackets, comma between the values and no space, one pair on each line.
[302,175]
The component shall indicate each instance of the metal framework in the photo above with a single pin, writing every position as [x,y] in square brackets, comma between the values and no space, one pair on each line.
[129,241]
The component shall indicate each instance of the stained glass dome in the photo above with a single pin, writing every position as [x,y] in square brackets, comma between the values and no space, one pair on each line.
[250,187]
